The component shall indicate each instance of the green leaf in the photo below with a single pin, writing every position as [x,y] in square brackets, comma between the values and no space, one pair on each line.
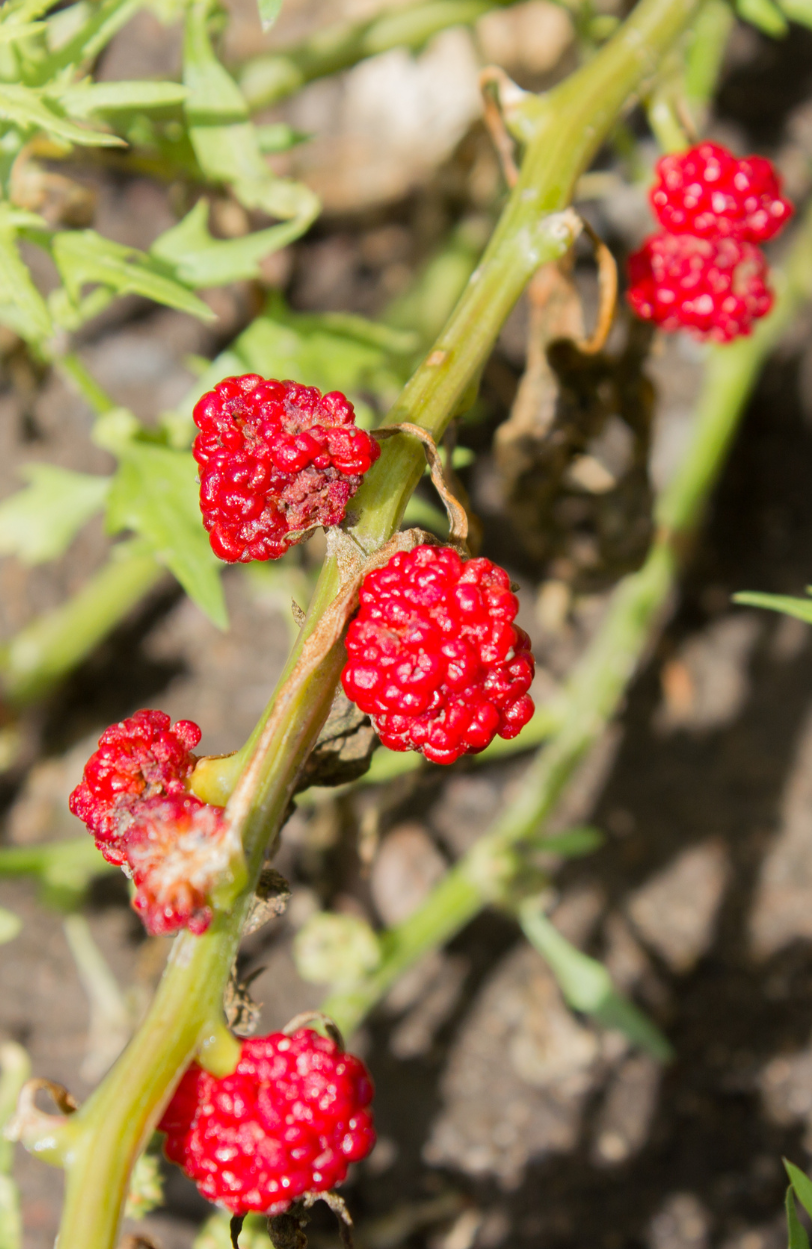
[224,140]
[587,985]
[17,290]
[201,260]
[83,257]
[10,925]
[797,11]
[798,1238]
[269,11]
[103,21]
[800,608]
[155,493]
[278,136]
[88,98]
[25,108]
[40,522]
[574,842]
[328,350]
[12,33]
[802,1185]
[764,15]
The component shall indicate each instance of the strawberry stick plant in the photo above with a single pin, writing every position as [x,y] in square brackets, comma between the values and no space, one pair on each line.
[251,790]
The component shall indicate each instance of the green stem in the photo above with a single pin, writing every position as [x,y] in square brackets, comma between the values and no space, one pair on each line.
[44,652]
[266,79]
[113,1125]
[597,687]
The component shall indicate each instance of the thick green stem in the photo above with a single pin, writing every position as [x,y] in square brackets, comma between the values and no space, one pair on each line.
[597,687]
[44,652]
[113,1125]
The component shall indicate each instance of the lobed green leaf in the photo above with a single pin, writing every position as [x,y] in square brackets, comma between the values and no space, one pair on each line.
[764,15]
[797,11]
[22,307]
[800,608]
[40,522]
[587,985]
[797,1236]
[155,493]
[802,1185]
[25,108]
[199,259]
[85,98]
[84,257]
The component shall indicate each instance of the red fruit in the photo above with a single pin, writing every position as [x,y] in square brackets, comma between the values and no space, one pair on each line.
[288,1121]
[434,656]
[715,288]
[275,458]
[139,758]
[177,850]
[707,192]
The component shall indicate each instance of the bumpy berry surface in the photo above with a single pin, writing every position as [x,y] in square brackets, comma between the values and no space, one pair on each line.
[714,288]
[139,758]
[708,192]
[275,458]
[176,850]
[434,656]
[288,1121]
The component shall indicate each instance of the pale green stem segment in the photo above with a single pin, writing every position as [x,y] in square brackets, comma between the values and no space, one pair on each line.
[16,1068]
[266,79]
[107,1134]
[40,655]
[597,687]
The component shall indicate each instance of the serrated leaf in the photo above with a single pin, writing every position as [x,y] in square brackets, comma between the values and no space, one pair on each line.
[18,292]
[40,522]
[269,11]
[155,493]
[83,257]
[800,608]
[26,109]
[802,1185]
[797,1236]
[587,985]
[88,98]
[201,260]
[764,15]
[797,11]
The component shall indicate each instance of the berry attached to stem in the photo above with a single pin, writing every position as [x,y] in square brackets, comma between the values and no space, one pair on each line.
[276,460]
[143,757]
[434,656]
[289,1120]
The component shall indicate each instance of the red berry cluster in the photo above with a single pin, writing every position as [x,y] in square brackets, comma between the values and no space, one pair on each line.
[435,657]
[134,800]
[289,1120]
[276,459]
[704,272]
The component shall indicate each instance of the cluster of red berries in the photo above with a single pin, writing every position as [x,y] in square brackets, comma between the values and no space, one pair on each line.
[276,460]
[435,657]
[289,1120]
[134,800]
[704,271]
